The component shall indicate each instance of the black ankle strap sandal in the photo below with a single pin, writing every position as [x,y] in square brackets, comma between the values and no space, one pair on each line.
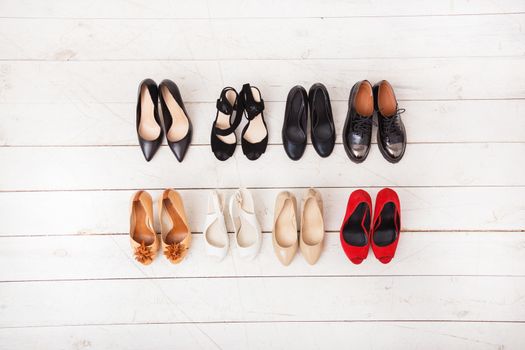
[223,138]
[255,134]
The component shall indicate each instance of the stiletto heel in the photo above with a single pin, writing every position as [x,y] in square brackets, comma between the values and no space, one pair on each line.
[387,225]
[355,230]
[149,130]
[255,133]
[142,235]
[177,125]
[175,231]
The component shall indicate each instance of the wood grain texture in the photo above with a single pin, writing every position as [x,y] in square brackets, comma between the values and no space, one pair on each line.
[65,40]
[263,299]
[250,9]
[282,335]
[202,81]
[82,168]
[110,257]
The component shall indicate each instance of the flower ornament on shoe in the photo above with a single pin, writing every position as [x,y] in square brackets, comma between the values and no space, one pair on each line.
[143,254]
[174,252]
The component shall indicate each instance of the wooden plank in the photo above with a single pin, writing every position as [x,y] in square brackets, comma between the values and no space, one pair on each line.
[282,335]
[251,9]
[312,38]
[202,81]
[112,123]
[263,299]
[107,212]
[110,257]
[81,168]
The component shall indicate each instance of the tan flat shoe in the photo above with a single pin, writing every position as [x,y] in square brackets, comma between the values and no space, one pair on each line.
[175,231]
[312,226]
[142,235]
[284,234]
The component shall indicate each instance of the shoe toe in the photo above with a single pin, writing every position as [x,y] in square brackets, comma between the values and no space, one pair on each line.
[359,151]
[222,156]
[253,155]
[395,150]
[385,259]
[294,151]
[357,261]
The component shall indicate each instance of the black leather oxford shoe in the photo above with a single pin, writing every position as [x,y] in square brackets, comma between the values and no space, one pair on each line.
[148,125]
[391,134]
[322,122]
[357,132]
[177,124]
[295,122]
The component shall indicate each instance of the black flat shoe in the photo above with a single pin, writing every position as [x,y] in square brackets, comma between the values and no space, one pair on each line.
[223,138]
[295,122]
[357,132]
[177,125]
[255,134]
[149,130]
[323,129]
[391,134]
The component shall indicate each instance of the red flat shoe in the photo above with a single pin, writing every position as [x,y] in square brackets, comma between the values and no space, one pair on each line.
[355,230]
[387,225]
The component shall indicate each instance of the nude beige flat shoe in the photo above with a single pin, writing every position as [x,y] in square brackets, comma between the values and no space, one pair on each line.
[312,226]
[175,231]
[142,235]
[284,234]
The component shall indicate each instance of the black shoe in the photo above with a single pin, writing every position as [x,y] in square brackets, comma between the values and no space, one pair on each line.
[177,125]
[254,137]
[357,132]
[149,130]
[391,134]
[223,138]
[322,122]
[295,122]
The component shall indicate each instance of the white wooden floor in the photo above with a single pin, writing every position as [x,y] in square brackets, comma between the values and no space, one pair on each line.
[69,159]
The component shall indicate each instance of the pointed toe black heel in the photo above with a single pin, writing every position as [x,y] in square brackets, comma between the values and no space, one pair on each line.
[148,125]
[223,139]
[177,124]
[254,137]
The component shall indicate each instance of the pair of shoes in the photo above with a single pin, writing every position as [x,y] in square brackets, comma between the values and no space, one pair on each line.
[175,122]
[296,119]
[356,233]
[248,235]
[284,233]
[175,232]
[230,108]
[357,133]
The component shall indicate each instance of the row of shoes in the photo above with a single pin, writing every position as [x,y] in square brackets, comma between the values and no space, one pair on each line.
[359,231]
[363,103]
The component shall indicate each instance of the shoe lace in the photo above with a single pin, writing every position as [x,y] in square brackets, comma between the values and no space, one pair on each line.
[362,125]
[391,124]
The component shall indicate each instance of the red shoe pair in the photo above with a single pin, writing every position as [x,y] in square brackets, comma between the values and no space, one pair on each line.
[356,233]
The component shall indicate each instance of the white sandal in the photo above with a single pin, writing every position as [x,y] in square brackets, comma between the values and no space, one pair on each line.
[248,236]
[215,233]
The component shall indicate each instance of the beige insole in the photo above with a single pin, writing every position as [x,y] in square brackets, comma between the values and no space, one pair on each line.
[256,131]
[364,100]
[223,120]
[142,232]
[171,218]
[386,100]
[286,225]
[149,129]
[215,232]
[313,228]
[180,125]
